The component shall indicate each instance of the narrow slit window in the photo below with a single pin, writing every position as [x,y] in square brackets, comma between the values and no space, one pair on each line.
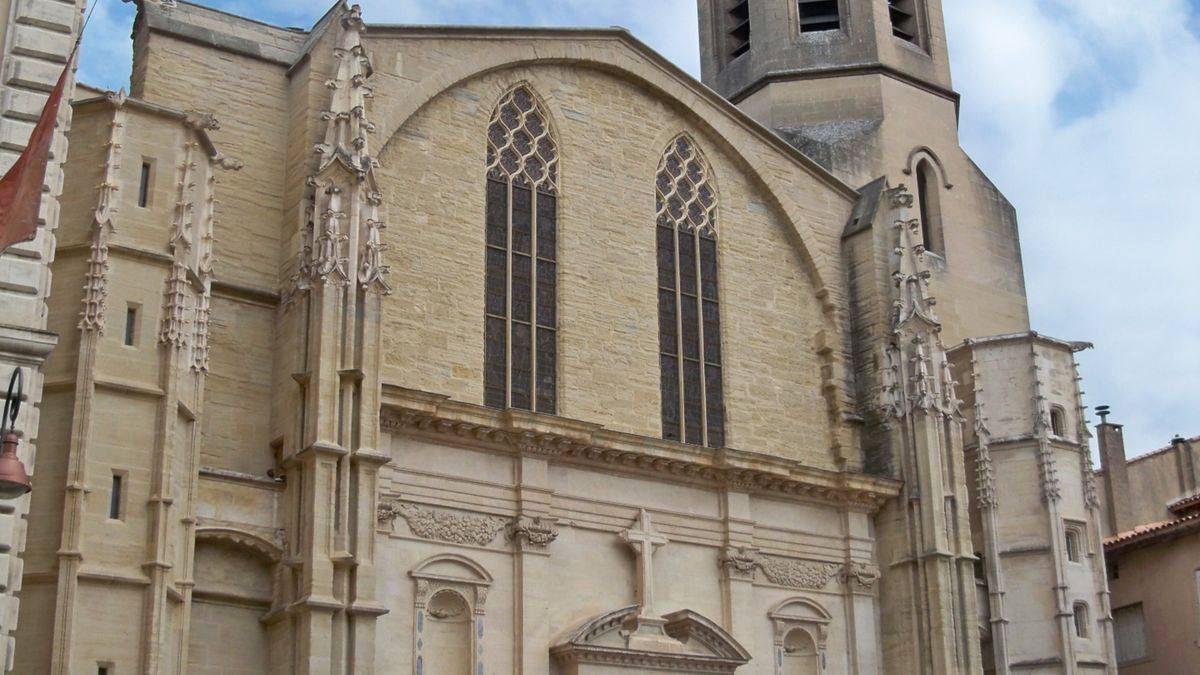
[144,185]
[930,208]
[131,325]
[115,496]
[520,257]
[819,15]
[689,321]
[738,28]
[904,20]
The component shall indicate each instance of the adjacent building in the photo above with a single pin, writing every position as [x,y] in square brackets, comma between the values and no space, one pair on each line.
[36,39]
[1151,508]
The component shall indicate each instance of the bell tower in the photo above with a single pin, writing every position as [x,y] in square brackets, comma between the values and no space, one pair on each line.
[863,88]
[829,75]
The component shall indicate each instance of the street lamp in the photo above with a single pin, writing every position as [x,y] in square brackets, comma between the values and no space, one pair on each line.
[14,482]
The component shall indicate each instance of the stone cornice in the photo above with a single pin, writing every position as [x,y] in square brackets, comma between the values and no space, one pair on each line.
[571,441]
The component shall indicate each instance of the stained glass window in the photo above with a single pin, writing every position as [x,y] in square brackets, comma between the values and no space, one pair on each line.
[689,321]
[520,326]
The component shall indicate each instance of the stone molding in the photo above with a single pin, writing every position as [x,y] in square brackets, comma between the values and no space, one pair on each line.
[558,440]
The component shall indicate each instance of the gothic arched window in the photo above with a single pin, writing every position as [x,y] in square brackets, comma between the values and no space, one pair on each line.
[931,207]
[520,326]
[689,325]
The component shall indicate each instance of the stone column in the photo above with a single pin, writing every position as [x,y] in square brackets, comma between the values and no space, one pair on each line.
[531,534]
[926,530]
[341,280]
[738,562]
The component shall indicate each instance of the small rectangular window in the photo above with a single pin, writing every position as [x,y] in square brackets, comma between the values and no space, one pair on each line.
[904,19]
[131,324]
[819,15]
[737,22]
[114,497]
[1129,633]
[144,185]
[103,669]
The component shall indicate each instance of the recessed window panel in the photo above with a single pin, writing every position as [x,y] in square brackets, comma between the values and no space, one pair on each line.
[689,325]
[520,350]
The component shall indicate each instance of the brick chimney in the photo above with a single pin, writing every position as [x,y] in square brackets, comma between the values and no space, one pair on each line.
[1111,439]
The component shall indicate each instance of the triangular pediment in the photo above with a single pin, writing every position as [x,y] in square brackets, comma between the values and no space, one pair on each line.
[694,644]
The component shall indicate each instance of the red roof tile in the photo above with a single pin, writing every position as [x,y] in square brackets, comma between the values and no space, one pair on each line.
[1150,531]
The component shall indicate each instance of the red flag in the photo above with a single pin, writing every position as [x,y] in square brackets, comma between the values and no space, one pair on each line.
[21,187]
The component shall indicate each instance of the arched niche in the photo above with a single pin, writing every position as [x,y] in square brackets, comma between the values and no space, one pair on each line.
[235,573]
[450,592]
[801,628]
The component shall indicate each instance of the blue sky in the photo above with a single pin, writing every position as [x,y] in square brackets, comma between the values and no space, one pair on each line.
[1086,113]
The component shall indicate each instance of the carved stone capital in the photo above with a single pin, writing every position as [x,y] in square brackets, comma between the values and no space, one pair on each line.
[536,532]
[859,575]
[740,562]
[899,197]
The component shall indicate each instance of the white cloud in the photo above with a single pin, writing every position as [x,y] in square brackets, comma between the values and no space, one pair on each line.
[1084,112]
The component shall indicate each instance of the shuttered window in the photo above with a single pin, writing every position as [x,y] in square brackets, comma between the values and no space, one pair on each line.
[737,23]
[903,14]
[1129,631]
[693,405]
[819,15]
[520,325]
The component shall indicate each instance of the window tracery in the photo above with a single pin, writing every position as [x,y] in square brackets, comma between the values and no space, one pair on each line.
[693,406]
[520,331]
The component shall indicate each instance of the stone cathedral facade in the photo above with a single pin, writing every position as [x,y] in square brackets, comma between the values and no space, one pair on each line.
[456,350]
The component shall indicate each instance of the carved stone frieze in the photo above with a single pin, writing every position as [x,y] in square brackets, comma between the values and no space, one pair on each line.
[534,532]
[456,528]
[798,573]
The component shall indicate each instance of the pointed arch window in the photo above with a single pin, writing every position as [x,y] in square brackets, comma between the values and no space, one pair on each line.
[693,406]
[931,207]
[520,327]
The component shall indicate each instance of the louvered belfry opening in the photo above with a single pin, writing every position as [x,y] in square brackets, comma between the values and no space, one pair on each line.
[737,21]
[904,19]
[693,406]
[819,15]
[520,331]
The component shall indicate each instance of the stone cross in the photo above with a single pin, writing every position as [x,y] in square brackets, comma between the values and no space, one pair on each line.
[643,539]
